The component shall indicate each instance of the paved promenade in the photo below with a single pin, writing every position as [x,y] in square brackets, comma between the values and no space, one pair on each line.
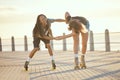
[100,66]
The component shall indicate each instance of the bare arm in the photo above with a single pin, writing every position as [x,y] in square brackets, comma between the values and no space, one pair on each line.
[59,20]
[63,37]
[46,37]
[50,31]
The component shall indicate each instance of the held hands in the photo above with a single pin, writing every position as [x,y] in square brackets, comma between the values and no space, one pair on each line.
[63,37]
[58,38]
[52,38]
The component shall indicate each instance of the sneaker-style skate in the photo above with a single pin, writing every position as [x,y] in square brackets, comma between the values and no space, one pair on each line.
[82,64]
[76,64]
[53,65]
[26,65]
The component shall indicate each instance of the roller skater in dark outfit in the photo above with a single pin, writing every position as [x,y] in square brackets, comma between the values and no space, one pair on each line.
[42,32]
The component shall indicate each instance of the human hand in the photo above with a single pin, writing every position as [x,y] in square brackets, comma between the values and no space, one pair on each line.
[57,38]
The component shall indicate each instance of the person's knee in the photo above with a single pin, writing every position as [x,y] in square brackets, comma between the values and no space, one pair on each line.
[48,45]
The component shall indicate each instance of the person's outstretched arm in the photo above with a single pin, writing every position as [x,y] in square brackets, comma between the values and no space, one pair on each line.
[59,20]
[63,37]
[46,37]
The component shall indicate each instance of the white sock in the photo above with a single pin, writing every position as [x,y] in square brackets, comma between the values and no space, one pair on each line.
[52,58]
[28,59]
[76,55]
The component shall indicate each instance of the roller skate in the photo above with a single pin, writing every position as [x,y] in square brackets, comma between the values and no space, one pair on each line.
[82,64]
[26,65]
[53,65]
[76,64]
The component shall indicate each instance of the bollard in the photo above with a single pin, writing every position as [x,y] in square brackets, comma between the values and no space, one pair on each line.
[91,41]
[13,43]
[64,43]
[0,45]
[51,43]
[25,43]
[107,40]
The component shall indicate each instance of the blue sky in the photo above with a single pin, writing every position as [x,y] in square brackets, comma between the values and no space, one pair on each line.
[18,17]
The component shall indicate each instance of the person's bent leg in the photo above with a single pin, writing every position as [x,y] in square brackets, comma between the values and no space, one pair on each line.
[36,48]
[32,54]
[51,55]
[84,48]
[84,42]
[30,57]
[75,48]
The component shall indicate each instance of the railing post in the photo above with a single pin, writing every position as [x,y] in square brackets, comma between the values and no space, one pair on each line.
[79,45]
[64,43]
[0,45]
[51,43]
[25,43]
[107,40]
[91,38]
[13,43]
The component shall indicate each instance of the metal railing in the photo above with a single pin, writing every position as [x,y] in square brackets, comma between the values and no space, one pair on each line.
[97,41]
